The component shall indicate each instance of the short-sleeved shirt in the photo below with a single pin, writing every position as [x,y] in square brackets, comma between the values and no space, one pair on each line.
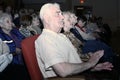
[53,48]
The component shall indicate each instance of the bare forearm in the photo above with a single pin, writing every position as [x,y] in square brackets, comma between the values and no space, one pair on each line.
[64,69]
[78,68]
[72,68]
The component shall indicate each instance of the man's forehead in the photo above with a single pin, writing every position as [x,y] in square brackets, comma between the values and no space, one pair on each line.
[56,9]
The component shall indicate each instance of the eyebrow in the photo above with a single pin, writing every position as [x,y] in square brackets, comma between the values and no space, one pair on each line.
[58,11]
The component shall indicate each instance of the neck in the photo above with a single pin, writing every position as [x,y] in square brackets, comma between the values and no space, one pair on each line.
[54,29]
[66,29]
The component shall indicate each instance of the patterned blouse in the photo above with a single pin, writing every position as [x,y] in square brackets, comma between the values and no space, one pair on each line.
[77,44]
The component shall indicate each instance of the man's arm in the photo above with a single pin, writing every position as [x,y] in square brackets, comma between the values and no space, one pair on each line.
[64,69]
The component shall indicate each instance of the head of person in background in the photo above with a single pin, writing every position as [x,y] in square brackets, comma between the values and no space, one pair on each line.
[6,23]
[69,21]
[26,20]
[36,24]
[30,25]
[8,9]
[35,20]
[82,21]
[24,29]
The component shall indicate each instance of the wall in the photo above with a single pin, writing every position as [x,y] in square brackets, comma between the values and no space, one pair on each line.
[119,13]
[36,4]
[41,1]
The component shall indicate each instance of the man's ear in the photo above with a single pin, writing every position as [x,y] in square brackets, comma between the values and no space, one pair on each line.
[47,18]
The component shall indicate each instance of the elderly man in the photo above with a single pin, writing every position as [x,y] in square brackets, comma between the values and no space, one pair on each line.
[55,53]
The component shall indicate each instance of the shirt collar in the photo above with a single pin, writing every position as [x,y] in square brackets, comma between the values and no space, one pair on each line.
[52,32]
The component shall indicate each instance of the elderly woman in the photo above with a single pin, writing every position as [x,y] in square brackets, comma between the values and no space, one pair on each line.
[69,21]
[12,37]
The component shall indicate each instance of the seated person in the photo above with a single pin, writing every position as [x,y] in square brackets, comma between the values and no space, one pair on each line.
[92,44]
[81,28]
[69,21]
[92,29]
[106,32]
[25,22]
[56,55]
[12,37]
[16,70]
[29,25]
[5,57]
[36,24]
[88,46]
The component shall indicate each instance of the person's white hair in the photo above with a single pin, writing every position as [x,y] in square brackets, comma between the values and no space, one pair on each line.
[46,8]
[68,15]
[3,16]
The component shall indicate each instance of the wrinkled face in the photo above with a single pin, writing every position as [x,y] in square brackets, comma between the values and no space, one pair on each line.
[67,23]
[56,17]
[7,24]
[36,21]
[73,19]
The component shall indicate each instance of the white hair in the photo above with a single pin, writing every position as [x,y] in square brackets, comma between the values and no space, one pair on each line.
[46,8]
[3,16]
[67,15]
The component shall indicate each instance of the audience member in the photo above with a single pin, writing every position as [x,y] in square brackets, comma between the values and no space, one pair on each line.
[92,45]
[25,22]
[81,28]
[69,21]
[29,25]
[16,19]
[9,10]
[16,70]
[35,24]
[55,53]
[12,37]
[106,33]
[88,45]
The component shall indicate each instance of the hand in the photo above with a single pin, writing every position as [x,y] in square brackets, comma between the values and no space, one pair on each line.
[18,50]
[94,57]
[103,66]
[9,57]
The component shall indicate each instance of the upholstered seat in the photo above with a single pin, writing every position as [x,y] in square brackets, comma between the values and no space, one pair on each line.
[28,49]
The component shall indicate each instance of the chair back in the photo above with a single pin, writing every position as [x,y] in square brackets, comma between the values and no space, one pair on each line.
[28,49]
